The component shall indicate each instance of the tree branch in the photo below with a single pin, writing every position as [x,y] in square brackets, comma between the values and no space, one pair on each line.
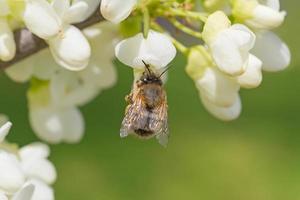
[29,44]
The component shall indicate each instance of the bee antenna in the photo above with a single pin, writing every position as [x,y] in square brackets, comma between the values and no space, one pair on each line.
[165,71]
[147,67]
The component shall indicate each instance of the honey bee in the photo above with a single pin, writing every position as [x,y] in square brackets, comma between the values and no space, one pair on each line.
[146,115]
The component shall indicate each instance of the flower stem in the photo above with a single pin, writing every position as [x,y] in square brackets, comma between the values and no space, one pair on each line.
[146,21]
[186,13]
[185,29]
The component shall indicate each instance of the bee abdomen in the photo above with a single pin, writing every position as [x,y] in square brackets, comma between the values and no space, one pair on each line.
[144,132]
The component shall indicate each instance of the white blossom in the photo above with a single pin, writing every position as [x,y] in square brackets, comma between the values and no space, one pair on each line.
[54,124]
[259,14]
[19,167]
[51,21]
[53,102]
[156,50]
[217,87]
[272,51]
[229,45]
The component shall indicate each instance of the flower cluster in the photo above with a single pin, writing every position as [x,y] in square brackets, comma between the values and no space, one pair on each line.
[230,55]
[25,173]
[55,93]
[232,43]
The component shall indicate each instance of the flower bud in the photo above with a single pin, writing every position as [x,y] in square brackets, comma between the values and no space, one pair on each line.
[117,10]
[41,19]
[257,15]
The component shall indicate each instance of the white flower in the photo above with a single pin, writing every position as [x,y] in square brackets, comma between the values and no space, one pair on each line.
[272,51]
[156,50]
[55,125]
[117,10]
[218,88]
[26,173]
[35,164]
[52,22]
[51,122]
[40,65]
[41,19]
[56,92]
[223,113]
[7,42]
[259,14]
[218,91]
[71,50]
[229,45]
[252,77]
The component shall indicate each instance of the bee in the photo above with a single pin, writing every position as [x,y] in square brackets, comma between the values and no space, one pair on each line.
[146,115]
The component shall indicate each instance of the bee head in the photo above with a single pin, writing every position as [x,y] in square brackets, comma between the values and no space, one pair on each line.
[152,78]
[149,76]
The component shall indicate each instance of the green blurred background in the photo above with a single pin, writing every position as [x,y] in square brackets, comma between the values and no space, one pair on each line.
[256,157]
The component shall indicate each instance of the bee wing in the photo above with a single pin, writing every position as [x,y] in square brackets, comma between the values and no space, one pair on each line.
[159,123]
[132,116]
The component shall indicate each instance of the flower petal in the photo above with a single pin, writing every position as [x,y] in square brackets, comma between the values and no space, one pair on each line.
[40,65]
[76,13]
[265,17]
[243,36]
[69,89]
[227,56]
[60,6]
[3,196]
[274,4]
[117,10]
[25,193]
[92,7]
[157,50]
[230,49]
[11,175]
[41,190]
[56,125]
[35,150]
[216,23]
[223,113]
[41,19]
[218,88]
[40,169]
[7,41]
[72,50]
[272,51]
[253,74]
[4,130]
